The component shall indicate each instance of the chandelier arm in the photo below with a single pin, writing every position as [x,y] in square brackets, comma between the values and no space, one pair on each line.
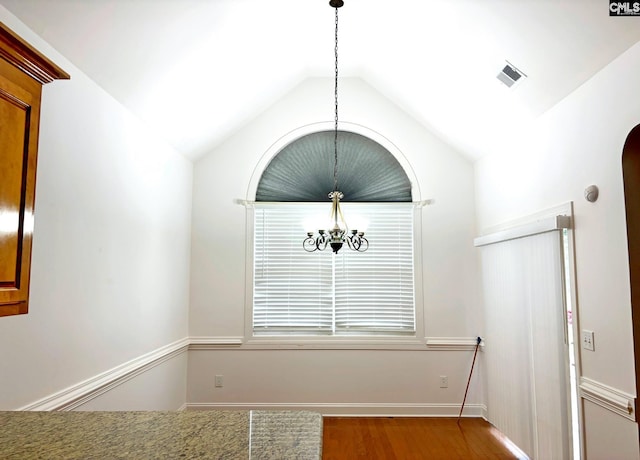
[319,243]
[366,244]
[309,244]
[357,242]
[351,243]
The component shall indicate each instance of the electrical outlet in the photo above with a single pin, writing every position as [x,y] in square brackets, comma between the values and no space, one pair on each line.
[588,340]
[444,381]
[219,381]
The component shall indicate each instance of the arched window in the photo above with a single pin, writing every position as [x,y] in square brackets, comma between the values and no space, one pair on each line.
[321,293]
[303,171]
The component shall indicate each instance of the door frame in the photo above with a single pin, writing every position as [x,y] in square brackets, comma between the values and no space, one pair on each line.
[631,182]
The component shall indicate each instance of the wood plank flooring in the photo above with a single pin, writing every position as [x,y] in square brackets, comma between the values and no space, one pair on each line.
[412,438]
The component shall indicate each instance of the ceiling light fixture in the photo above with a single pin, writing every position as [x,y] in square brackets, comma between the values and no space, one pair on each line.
[339,234]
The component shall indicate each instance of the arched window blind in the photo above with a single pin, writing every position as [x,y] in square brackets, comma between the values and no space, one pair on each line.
[303,171]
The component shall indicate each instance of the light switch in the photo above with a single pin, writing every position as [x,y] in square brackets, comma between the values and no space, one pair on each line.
[587,340]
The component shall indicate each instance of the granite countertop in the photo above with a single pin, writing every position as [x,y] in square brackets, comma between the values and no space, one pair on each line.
[233,435]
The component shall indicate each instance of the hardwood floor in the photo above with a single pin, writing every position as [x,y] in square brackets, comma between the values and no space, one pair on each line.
[409,438]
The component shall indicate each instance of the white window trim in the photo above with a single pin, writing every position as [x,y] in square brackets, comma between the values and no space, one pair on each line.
[364,342]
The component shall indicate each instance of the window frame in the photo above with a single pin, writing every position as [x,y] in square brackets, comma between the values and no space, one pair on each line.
[416,341]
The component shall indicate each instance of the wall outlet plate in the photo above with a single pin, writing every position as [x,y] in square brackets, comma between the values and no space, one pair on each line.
[219,381]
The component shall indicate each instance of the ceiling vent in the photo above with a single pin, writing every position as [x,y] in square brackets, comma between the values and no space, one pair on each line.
[510,75]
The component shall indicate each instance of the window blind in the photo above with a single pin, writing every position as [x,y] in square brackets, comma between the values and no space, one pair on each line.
[296,292]
[293,289]
[525,362]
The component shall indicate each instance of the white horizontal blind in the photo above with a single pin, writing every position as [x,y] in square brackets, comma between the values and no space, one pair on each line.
[293,289]
[296,292]
[374,289]
[524,355]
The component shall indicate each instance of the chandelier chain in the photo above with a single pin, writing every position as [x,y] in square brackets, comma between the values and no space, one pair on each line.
[338,233]
[335,137]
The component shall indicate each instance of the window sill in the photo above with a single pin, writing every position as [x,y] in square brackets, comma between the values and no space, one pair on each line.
[333,343]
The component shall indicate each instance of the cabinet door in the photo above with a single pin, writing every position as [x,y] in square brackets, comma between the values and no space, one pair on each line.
[23,71]
[19,113]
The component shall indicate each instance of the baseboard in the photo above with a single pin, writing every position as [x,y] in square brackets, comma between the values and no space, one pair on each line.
[77,395]
[182,408]
[355,409]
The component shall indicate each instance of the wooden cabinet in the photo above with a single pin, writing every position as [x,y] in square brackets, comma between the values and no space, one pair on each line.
[23,71]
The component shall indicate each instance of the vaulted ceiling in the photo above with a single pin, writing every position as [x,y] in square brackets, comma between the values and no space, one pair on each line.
[197,70]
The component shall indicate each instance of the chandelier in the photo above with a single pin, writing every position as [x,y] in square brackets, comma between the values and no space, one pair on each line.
[339,233]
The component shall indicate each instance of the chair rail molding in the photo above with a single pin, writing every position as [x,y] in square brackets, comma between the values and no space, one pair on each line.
[610,398]
[453,343]
[80,393]
[213,343]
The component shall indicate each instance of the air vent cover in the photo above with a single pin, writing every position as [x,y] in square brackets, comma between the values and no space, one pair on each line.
[510,75]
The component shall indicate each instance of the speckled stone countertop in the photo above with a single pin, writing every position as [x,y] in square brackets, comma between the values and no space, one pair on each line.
[232,435]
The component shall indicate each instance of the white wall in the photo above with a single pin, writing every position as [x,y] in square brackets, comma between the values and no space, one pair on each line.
[578,143]
[110,264]
[450,277]
[163,387]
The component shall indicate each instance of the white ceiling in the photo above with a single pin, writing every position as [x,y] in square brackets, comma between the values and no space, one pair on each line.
[197,70]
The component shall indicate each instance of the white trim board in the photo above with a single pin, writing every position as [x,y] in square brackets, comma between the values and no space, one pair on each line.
[356,409]
[182,408]
[453,343]
[547,224]
[610,398]
[80,393]
[213,343]
[372,343]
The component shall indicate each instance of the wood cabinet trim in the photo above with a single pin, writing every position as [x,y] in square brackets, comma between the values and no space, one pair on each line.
[10,309]
[18,52]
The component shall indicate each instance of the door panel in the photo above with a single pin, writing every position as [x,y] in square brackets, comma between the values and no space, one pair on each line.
[14,136]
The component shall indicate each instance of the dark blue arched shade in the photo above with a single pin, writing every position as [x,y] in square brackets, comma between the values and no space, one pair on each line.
[303,171]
